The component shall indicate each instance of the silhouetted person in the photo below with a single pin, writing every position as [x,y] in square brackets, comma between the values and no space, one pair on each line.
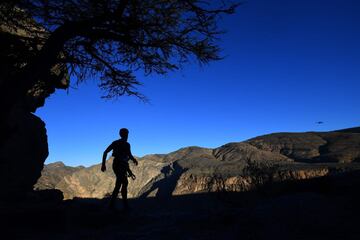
[122,154]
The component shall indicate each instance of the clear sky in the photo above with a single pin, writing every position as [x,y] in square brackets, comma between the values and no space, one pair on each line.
[288,64]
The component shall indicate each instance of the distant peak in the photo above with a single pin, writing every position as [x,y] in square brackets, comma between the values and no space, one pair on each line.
[57,164]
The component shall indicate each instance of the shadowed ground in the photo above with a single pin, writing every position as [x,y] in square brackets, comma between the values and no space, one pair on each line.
[322,208]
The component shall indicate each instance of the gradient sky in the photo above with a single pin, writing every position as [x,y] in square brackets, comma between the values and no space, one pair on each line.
[288,65]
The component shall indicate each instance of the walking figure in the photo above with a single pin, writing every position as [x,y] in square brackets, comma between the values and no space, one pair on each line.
[122,154]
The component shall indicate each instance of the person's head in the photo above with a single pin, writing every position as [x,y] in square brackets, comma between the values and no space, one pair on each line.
[124,133]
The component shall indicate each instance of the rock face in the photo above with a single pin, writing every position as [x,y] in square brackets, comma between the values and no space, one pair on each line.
[23,155]
[233,167]
[23,140]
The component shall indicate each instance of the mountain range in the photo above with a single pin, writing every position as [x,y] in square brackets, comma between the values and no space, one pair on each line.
[233,167]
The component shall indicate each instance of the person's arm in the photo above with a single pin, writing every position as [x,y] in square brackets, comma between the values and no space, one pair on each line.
[131,174]
[107,150]
[132,157]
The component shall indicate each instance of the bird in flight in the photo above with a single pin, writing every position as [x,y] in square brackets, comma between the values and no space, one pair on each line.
[319,122]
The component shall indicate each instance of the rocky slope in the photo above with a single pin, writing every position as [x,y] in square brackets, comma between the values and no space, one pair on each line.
[53,173]
[232,167]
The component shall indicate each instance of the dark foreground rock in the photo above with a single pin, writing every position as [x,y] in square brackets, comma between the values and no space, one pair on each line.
[23,155]
[320,208]
[23,140]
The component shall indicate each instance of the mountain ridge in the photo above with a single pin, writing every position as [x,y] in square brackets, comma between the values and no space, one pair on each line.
[236,166]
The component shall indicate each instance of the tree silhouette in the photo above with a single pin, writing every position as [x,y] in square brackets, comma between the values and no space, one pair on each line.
[104,39]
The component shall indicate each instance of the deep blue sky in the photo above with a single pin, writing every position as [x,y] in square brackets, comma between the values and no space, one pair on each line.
[288,65]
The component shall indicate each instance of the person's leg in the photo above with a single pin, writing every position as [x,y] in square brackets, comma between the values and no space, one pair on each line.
[115,192]
[124,192]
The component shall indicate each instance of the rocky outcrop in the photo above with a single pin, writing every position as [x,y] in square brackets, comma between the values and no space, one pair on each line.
[23,155]
[190,183]
[233,167]
[23,140]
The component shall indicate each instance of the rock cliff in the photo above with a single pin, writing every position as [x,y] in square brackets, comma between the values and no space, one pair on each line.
[22,156]
[23,139]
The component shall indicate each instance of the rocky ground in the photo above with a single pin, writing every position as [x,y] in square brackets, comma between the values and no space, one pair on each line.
[319,208]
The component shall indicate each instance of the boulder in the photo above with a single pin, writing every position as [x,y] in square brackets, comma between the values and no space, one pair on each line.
[23,155]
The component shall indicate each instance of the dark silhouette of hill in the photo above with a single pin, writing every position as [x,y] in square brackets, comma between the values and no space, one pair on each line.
[350,130]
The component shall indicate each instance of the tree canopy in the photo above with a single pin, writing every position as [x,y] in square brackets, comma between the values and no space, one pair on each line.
[109,39]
